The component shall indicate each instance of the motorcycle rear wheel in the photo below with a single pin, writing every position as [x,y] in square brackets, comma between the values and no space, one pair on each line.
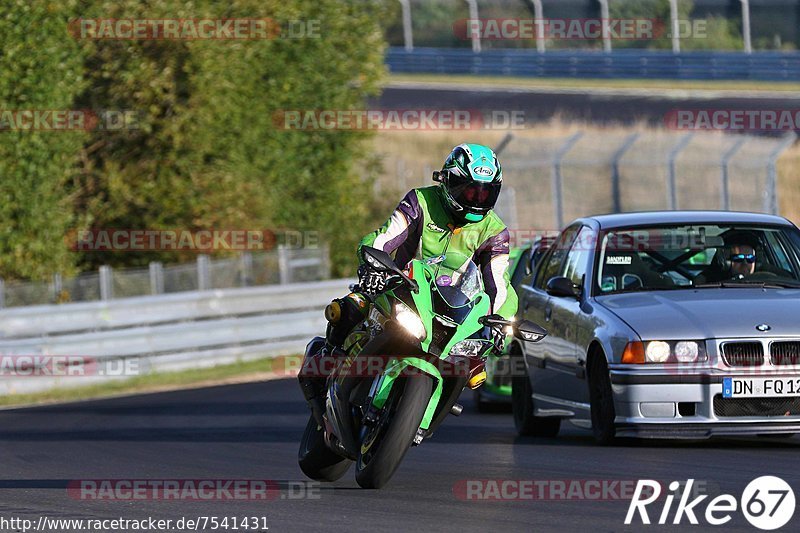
[316,460]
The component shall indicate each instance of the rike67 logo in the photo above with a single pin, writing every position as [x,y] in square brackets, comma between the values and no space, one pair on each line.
[767,503]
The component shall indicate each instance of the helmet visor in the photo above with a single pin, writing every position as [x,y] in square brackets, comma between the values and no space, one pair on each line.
[471,194]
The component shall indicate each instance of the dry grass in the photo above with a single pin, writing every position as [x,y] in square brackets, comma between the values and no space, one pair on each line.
[409,157]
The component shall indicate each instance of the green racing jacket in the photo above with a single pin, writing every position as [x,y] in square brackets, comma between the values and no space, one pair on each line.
[420,226]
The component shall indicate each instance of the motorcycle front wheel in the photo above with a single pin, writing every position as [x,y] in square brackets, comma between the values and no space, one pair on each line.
[384,445]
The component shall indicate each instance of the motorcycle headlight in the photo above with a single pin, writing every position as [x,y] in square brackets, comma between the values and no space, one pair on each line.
[470,348]
[410,321]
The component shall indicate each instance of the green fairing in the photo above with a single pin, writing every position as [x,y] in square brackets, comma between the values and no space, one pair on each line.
[392,372]
[424,307]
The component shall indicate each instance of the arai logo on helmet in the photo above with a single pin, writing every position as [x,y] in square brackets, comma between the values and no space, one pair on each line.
[483,172]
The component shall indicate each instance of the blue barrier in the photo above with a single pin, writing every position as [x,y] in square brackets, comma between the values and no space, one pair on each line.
[641,64]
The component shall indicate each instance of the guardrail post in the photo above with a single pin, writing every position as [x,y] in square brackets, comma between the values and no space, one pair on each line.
[106,284]
[771,198]
[247,269]
[2,293]
[156,278]
[672,193]
[725,192]
[203,273]
[558,200]
[283,264]
[616,192]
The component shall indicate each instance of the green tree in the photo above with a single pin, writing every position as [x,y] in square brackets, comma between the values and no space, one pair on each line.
[41,70]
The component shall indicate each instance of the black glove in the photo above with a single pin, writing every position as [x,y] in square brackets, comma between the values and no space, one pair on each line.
[497,334]
[371,282]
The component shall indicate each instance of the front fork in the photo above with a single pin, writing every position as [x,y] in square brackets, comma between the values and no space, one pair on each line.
[413,367]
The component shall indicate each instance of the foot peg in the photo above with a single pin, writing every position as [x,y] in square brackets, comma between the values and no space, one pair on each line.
[456,409]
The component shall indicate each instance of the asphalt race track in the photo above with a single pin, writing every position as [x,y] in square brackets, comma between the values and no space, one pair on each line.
[251,431]
[598,106]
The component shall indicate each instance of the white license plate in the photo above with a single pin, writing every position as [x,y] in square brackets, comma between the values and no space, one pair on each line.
[760,387]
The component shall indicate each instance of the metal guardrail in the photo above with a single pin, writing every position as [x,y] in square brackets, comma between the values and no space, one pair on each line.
[167,332]
[656,64]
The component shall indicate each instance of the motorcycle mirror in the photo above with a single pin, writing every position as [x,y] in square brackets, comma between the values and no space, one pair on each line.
[528,331]
[378,259]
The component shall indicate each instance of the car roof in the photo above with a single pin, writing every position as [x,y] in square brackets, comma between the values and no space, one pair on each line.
[643,218]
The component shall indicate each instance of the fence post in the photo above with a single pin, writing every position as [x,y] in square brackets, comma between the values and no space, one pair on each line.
[106,285]
[247,269]
[672,193]
[203,273]
[503,143]
[558,200]
[675,23]
[156,277]
[748,47]
[58,284]
[724,164]
[771,198]
[326,261]
[539,21]
[606,25]
[616,192]
[473,15]
[283,264]
[2,293]
[408,34]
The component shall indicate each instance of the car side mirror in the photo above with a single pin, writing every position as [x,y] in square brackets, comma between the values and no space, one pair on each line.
[560,286]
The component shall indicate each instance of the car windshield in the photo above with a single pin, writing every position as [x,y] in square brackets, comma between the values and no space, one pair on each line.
[456,278]
[698,257]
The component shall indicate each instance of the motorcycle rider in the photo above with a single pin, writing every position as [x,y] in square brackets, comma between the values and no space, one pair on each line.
[454,216]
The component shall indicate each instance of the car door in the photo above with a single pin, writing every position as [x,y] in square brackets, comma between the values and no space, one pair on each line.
[536,305]
[571,320]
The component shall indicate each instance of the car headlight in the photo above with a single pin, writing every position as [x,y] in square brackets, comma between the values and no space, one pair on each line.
[656,352]
[470,347]
[664,352]
[410,321]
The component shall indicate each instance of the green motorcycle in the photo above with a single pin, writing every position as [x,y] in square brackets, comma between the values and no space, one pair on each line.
[423,340]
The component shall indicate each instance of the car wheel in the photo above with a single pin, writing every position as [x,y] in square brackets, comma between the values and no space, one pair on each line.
[522,407]
[602,401]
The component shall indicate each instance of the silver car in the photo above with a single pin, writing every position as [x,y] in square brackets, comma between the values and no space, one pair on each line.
[677,324]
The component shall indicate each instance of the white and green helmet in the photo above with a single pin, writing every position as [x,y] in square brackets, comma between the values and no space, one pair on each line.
[470,178]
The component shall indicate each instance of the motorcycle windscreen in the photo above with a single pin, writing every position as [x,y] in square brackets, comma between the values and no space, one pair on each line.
[443,304]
